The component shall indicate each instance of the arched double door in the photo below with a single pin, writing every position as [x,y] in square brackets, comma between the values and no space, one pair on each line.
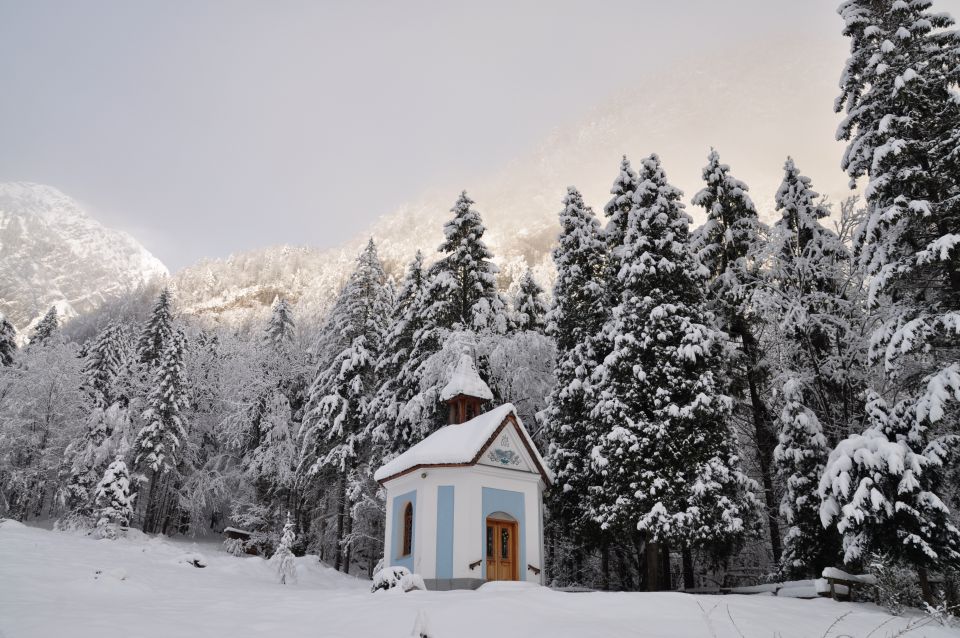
[503,553]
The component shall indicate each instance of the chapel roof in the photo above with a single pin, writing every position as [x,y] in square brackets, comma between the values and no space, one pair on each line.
[462,444]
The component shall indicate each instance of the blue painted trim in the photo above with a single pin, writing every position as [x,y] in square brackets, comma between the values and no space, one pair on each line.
[445,531]
[495,500]
[396,546]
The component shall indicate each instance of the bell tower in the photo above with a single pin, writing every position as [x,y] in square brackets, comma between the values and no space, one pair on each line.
[466,392]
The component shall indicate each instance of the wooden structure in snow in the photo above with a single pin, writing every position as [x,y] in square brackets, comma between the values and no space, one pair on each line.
[465,505]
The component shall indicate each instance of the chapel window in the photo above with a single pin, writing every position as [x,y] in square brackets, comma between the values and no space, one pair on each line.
[407,547]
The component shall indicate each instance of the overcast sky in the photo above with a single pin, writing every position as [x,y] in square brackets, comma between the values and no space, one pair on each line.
[206,128]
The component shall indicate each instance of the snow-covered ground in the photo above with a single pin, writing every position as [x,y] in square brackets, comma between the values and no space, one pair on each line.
[59,584]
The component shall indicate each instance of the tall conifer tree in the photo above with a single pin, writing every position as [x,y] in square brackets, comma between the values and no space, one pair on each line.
[335,441]
[463,288]
[164,433]
[88,456]
[8,341]
[666,452]
[576,317]
[392,428]
[280,329]
[47,329]
[726,244]
[902,124]
[617,211]
[529,308]
[156,332]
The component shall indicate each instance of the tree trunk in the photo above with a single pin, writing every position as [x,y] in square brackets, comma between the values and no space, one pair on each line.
[41,498]
[578,563]
[149,507]
[623,570]
[341,516]
[550,568]
[950,589]
[925,589]
[348,524]
[640,547]
[666,582]
[605,566]
[766,441]
[652,553]
[687,555]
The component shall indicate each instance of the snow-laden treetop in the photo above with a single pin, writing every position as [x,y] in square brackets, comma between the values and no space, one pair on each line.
[466,381]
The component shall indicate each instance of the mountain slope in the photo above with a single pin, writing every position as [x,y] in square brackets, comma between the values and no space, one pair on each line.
[53,253]
[753,105]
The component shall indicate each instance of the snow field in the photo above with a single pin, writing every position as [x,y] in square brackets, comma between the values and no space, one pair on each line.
[145,588]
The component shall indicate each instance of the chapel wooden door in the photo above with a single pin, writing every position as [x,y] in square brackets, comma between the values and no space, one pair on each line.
[501,549]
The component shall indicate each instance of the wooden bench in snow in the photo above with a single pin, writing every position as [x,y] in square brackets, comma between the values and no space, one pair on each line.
[839,584]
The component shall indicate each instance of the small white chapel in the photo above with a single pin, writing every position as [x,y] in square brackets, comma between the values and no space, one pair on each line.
[465,505]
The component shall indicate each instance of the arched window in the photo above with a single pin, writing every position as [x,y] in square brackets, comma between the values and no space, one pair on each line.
[407,546]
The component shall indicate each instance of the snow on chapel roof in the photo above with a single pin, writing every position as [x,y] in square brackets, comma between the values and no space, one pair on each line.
[466,380]
[460,444]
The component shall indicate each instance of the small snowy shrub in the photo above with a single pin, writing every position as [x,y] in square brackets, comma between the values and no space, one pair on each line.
[942,613]
[113,500]
[896,586]
[235,546]
[397,577]
[75,522]
[283,559]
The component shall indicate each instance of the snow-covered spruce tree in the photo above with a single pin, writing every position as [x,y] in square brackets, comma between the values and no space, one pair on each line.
[113,499]
[280,329]
[460,296]
[801,456]
[880,489]
[529,308]
[103,437]
[47,329]
[157,444]
[267,386]
[463,288]
[617,211]
[283,558]
[271,465]
[334,423]
[153,339]
[579,306]
[88,456]
[104,363]
[902,123]
[811,293]
[578,312]
[804,248]
[8,341]
[725,245]
[666,452]
[392,429]
[814,340]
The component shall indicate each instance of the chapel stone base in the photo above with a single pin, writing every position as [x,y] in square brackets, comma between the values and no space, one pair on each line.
[446,584]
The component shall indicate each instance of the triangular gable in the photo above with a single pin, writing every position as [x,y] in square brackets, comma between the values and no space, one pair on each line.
[513,423]
[507,450]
